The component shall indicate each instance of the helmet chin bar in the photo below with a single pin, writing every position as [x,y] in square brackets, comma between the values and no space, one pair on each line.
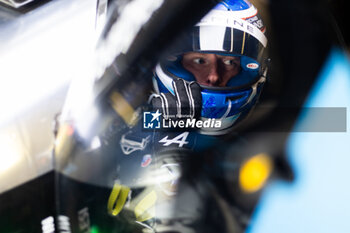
[254,89]
[228,122]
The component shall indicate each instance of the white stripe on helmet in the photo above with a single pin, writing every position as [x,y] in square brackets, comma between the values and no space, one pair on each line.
[230,19]
[211,38]
[165,79]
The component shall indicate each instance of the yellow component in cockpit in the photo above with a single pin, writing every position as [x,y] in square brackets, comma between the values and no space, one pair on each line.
[117,199]
[254,172]
[145,209]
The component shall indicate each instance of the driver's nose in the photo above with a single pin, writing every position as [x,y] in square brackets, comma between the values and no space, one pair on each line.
[213,78]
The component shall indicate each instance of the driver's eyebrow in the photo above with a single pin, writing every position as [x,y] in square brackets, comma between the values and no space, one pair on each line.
[229,57]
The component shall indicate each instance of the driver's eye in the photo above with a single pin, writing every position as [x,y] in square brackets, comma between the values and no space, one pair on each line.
[199,61]
[228,62]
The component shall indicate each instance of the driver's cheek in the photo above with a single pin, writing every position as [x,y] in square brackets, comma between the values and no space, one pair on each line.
[201,75]
[227,74]
[232,74]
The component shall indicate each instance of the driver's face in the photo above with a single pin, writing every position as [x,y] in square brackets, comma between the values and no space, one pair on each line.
[211,69]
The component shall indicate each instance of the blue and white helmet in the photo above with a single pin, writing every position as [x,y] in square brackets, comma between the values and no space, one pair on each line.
[232,28]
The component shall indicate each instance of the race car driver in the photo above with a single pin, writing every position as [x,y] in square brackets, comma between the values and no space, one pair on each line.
[215,73]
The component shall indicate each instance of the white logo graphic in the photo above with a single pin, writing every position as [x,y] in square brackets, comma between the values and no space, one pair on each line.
[128,146]
[48,225]
[180,139]
[63,224]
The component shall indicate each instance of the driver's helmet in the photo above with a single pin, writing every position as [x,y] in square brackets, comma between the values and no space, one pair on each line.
[231,28]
